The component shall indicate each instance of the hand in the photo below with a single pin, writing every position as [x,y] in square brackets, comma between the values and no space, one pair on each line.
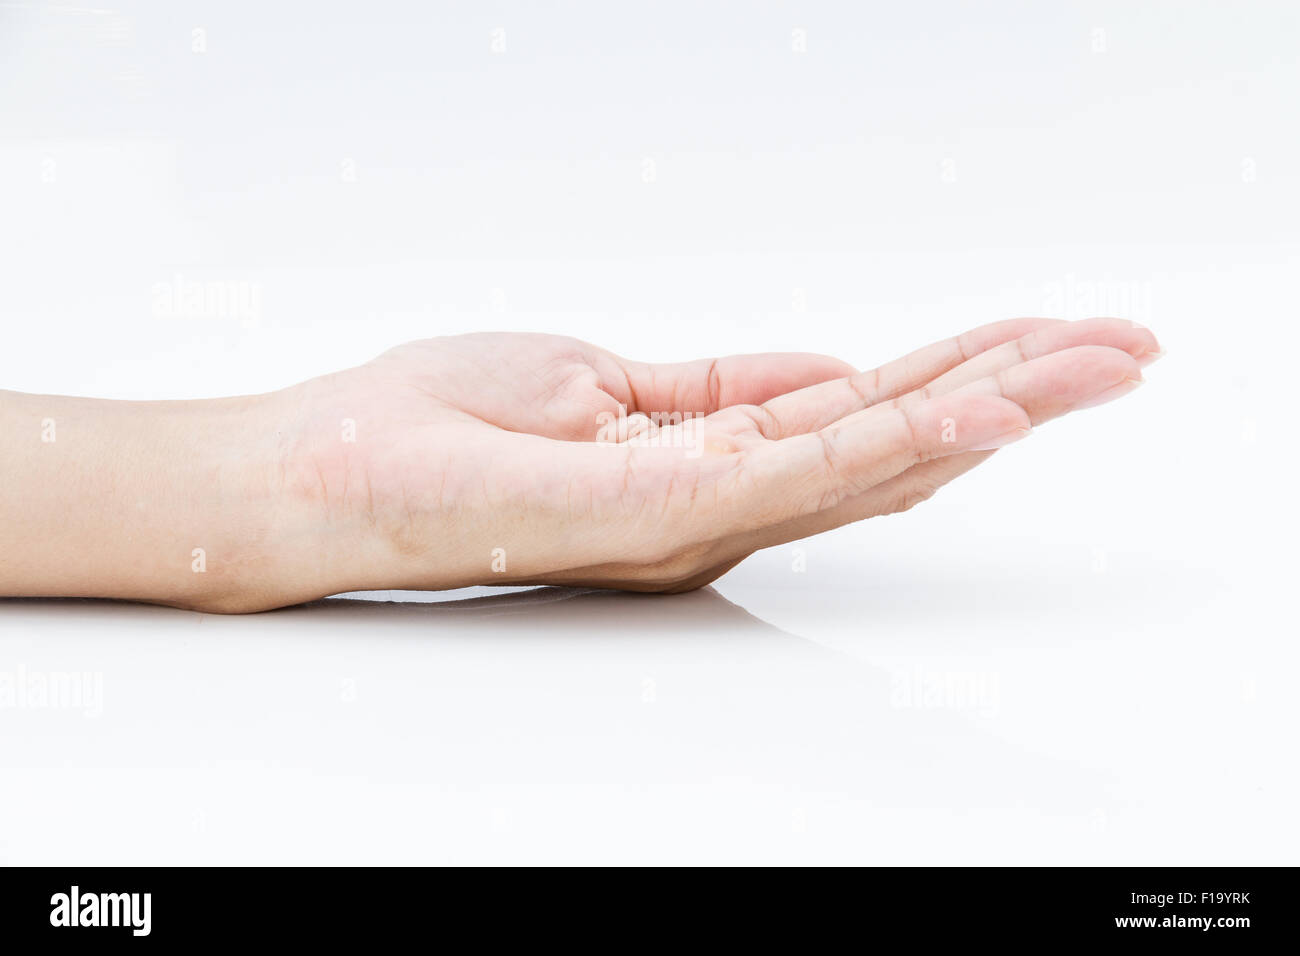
[533,459]
[515,459]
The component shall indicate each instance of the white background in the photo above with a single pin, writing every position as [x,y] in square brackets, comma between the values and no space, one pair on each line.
[1084,652]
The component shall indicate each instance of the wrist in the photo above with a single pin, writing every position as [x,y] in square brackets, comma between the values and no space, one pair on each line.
[169,502]
[332,526]
[375,501]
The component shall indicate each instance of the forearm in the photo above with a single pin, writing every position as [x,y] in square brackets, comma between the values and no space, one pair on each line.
[171,502]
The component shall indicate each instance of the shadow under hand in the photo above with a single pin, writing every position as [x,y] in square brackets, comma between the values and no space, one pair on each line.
[553,611]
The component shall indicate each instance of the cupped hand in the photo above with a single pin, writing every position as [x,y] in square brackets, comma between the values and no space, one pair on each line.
[529,459]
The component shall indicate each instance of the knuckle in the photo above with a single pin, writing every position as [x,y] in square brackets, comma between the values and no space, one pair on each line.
[761,418]
[910,497]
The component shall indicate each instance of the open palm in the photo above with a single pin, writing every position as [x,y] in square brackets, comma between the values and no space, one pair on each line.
[518,458]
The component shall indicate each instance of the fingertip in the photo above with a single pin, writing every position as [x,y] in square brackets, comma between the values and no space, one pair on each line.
[832,367]
[1150,358]
[1110,394]
[1100,361]
[1004,439]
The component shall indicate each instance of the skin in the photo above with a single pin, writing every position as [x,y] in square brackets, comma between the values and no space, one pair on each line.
[516,459]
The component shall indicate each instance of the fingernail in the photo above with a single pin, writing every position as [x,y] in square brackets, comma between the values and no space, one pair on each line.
[1005,439]
[1110,394]
[1150,357]
[1138,325]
